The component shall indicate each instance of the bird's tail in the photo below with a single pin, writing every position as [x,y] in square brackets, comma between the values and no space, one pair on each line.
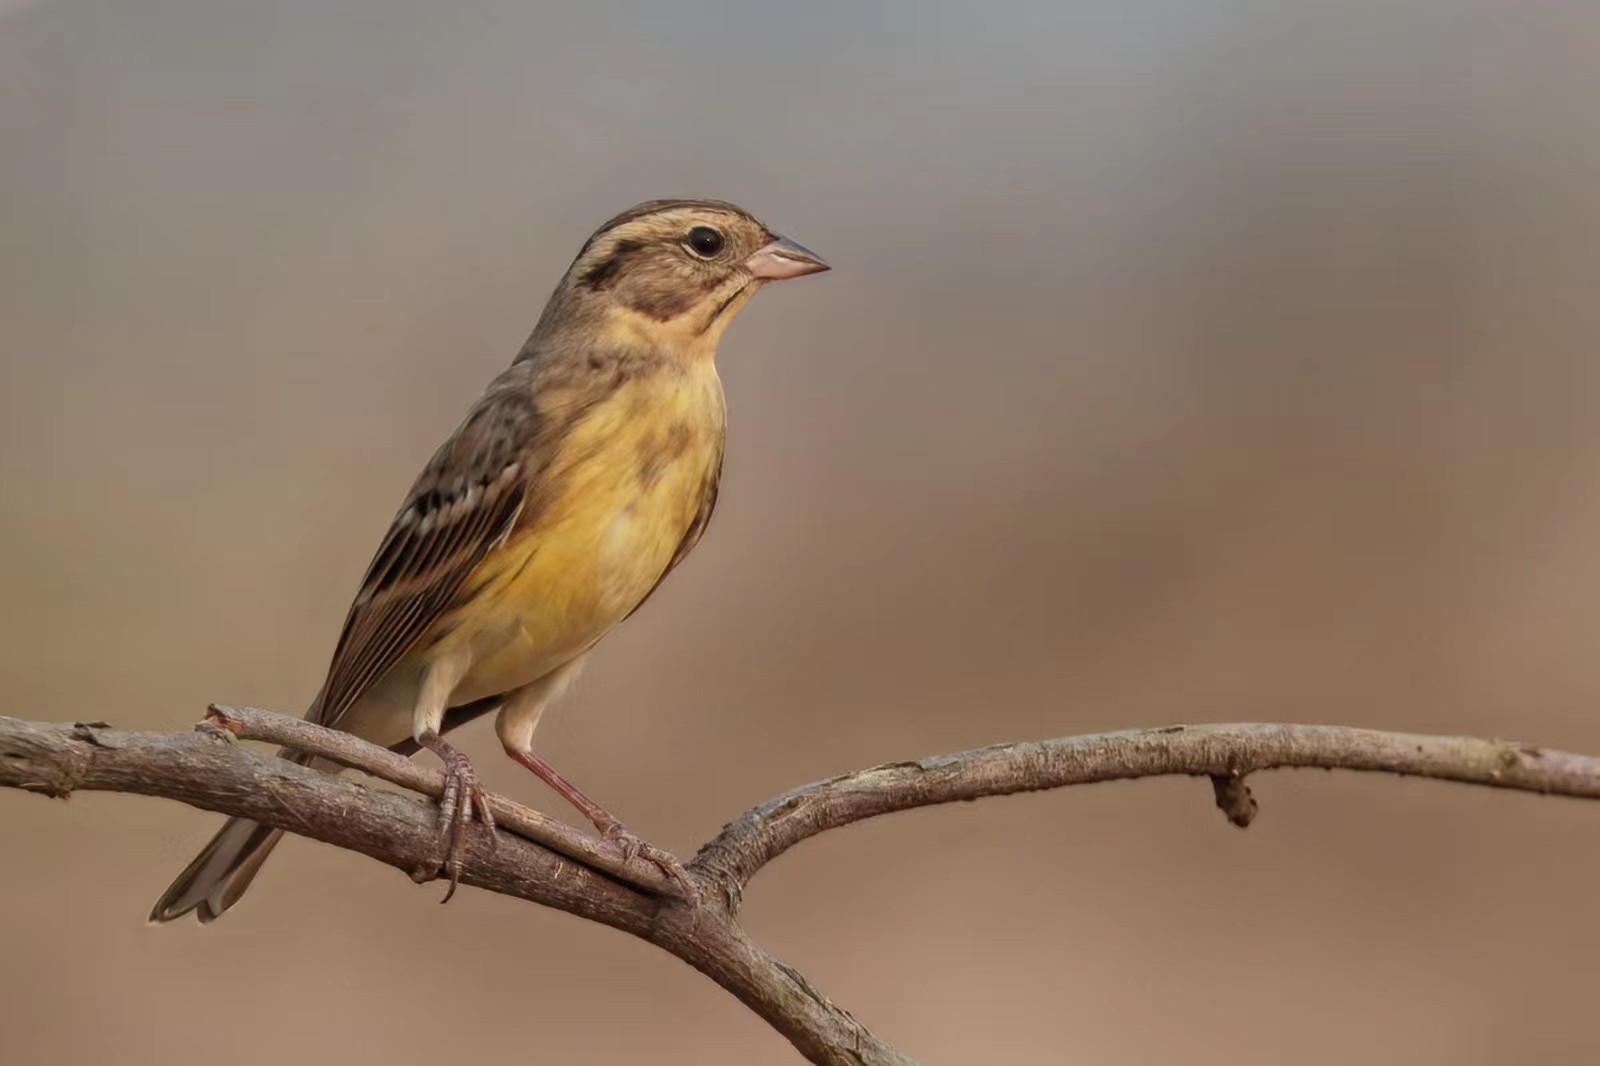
[218,876]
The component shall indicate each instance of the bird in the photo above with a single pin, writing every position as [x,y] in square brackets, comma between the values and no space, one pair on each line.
[586,472]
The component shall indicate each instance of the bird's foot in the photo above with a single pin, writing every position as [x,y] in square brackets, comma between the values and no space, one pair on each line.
[631,846]
[462,795]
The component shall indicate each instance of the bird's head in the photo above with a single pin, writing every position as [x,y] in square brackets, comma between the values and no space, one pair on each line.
[674,273]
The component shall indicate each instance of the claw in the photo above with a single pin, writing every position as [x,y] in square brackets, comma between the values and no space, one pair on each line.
[461,796]
[480,803]
[633,847]
[617,834]
[669,865]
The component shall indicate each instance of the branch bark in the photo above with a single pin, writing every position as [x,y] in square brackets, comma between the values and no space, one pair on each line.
[547,862]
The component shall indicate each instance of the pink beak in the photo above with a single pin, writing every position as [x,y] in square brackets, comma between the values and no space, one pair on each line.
[784,258]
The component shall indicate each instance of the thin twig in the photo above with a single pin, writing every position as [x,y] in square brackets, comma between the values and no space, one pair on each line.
[198,768]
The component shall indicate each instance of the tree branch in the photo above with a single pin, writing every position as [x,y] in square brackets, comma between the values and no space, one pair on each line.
[351,751]
[1226,752]
[544,861]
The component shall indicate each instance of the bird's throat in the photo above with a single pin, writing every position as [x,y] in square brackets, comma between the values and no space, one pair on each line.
[691,336]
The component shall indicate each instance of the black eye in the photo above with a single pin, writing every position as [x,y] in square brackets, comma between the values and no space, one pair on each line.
[704,241]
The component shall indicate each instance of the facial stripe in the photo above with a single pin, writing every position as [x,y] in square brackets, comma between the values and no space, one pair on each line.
[723,306]
[662,207]
[603,273]
[669,298]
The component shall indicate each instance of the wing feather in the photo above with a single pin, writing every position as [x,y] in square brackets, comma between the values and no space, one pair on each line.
[464,504]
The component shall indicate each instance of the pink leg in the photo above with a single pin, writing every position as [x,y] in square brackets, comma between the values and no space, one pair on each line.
[609,826]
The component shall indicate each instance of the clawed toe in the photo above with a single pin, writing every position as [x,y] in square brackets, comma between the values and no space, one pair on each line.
[454,820]
[618,835]
[633,847]
[480,803]
[462,796]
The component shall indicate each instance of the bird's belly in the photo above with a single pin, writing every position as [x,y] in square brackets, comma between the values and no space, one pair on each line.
[580,568]
[564,600]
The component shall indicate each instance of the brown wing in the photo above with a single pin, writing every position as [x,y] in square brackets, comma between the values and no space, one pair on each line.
[463,505]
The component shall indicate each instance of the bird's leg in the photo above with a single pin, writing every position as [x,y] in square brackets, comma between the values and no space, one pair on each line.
[462,795]
[518,718]
[609,826]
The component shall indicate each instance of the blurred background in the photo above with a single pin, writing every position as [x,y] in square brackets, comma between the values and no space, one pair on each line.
[1181,362]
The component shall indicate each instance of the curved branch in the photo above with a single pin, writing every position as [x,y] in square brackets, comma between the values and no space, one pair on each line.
[547,862]
[206,768]
[1225,753]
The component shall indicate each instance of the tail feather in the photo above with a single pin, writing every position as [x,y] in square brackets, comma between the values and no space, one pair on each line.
[222,871]
[218,876]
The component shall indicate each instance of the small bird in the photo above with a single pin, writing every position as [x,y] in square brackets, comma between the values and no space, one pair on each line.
[586,472]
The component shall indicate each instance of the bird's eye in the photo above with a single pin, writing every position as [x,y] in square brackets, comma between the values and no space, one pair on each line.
[704,241]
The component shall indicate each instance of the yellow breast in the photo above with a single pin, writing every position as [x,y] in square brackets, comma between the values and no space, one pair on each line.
[608,515]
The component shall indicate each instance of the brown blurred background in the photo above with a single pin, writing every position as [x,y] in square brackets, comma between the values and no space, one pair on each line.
[1181,362]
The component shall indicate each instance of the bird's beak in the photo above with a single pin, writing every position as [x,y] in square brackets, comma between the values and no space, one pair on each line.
[784,258]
